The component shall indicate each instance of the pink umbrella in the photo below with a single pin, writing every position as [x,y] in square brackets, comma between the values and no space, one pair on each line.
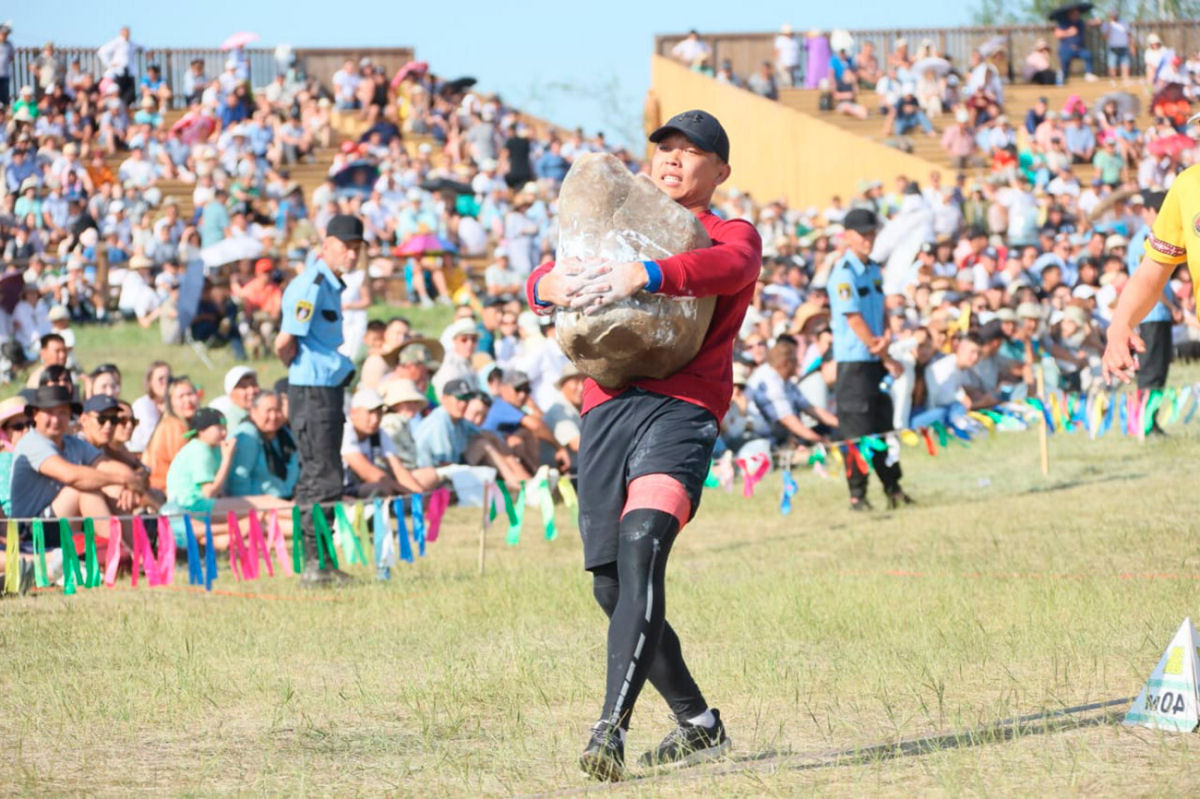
[194,126]
[1172,145]
[424,244]
[412,67]
[239,39]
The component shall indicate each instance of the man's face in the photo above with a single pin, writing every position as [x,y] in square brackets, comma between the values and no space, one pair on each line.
[490,317]
[339,255]
[407,410]
[686,173]
[52,422]
[464,346]
[455,406]
[572,390]
[477,411]
[267,415]
[366,420]
[859,243]
[54,353]
[515,395]
[416,372]
[98,428]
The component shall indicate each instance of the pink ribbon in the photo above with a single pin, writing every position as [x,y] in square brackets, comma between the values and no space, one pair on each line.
[275,536]
[258,547]
[439,500]
[751,476]
[724,471]
[112,552]
[143,556]
[239,558]
[166,551]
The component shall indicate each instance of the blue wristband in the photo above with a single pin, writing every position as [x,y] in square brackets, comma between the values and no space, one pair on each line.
[654,275]
[538,300]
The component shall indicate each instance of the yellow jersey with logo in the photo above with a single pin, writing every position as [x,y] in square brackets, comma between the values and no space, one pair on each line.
[1175,237]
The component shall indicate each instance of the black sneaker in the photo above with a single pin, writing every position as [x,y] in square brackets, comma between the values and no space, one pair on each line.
[898,498]
[604,757]
[860,505]
[689,744]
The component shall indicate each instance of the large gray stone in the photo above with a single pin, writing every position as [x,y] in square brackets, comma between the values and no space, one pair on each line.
[608,214]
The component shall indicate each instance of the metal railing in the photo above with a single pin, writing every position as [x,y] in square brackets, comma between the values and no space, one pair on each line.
[175,63]
[746,51]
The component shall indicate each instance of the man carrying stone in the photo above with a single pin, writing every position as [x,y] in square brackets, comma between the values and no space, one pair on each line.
[645,448]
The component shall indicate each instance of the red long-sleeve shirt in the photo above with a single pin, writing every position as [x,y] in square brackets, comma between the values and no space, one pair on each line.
[728,269]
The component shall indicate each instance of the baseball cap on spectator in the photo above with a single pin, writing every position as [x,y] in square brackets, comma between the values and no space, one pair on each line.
[236,375]
[462,327]
[1153,39]
[1076,315]
[1154,199]
[458,387]
[346,228]
[58,314]
[1006,315]
[1115,240]
[991,331]
[741,374]
[263,266]
[928,248]
[514,378]
[99,403]
[861,221]
[367,399]
[400,390]
[701,129]
[1084,292]
[204,419]
[51,397]
[1029,310]
[140,261]
[1137,199]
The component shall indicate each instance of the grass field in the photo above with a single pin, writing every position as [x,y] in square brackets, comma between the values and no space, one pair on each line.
[1002,593]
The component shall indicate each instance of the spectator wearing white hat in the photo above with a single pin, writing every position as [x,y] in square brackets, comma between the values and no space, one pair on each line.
[404,404]
[241,387]
[463,337]
[500,279]
[370,458]
[563,415]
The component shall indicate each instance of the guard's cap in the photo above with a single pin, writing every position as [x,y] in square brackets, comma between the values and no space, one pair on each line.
[862,221]
[701,128]
[345,227]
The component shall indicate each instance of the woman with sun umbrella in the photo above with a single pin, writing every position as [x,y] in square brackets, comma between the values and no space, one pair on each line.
[428,254]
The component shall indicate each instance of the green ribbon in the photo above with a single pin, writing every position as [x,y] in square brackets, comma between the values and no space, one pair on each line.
[940,429]
[353,552]
[72,577]
[1173,397]
[324,539]
[1156,398]
[516,516]
[508,503]
[39,555]
[297,541]
[711,481]
[816,456]
[92,576]
[546,505]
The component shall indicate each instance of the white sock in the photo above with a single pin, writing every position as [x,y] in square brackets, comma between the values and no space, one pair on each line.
[705,719]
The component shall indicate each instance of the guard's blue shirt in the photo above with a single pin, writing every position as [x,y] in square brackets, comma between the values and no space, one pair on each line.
[312,312]
[1137,248]
[855,287]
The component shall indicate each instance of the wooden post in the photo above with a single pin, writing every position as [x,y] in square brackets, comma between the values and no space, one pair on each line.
[483,523]
[100,299]
[1043,434]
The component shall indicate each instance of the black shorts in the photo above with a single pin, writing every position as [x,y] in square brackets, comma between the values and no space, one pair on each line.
[633,435]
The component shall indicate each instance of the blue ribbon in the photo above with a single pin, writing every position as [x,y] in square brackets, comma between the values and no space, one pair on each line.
[406,553]
[789,490]
[418,514]
[210,554]
[195,570]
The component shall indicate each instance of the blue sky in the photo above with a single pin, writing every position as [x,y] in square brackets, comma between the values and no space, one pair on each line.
[574,63]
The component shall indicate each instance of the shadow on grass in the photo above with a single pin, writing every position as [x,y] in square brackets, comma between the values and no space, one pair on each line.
[1069,484]
[1096,714]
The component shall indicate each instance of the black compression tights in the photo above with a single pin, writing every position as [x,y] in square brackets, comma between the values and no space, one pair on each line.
[641,644]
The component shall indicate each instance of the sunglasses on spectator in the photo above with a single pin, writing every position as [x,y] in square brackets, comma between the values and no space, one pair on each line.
[104,419]
[522,389]
[18,426]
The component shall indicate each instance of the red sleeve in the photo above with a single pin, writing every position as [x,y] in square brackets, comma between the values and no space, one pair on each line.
[732,262]
[534,276]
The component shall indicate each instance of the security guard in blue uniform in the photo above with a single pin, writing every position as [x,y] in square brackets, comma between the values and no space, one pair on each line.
[1156,326]
[860,349]
[310,334]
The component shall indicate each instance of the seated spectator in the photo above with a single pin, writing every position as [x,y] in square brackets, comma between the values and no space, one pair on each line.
[98,425]
[780,401]
[906,115]
[55,474]
[138,297]
[501,281]
[762,82]
[370,460]
[148,408]
[265,460]
[168,437]
[1038,67]
[563,416]
[521,430]
[13,425]
[404,405]
[445,437]
[241,387]
[457,364]
[948,394]
[53,352]
[196,481]
[1080,140]
[417,361]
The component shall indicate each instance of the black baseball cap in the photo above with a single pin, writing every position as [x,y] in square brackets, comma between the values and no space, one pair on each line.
[346,228]
[458,387]
[861,220]
[1154,199]
[99,403]
[701,128]
[205,418]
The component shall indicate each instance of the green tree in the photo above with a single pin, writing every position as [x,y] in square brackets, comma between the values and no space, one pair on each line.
[999,12]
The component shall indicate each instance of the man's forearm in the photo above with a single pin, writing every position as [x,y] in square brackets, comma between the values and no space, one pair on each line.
[1142,292]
